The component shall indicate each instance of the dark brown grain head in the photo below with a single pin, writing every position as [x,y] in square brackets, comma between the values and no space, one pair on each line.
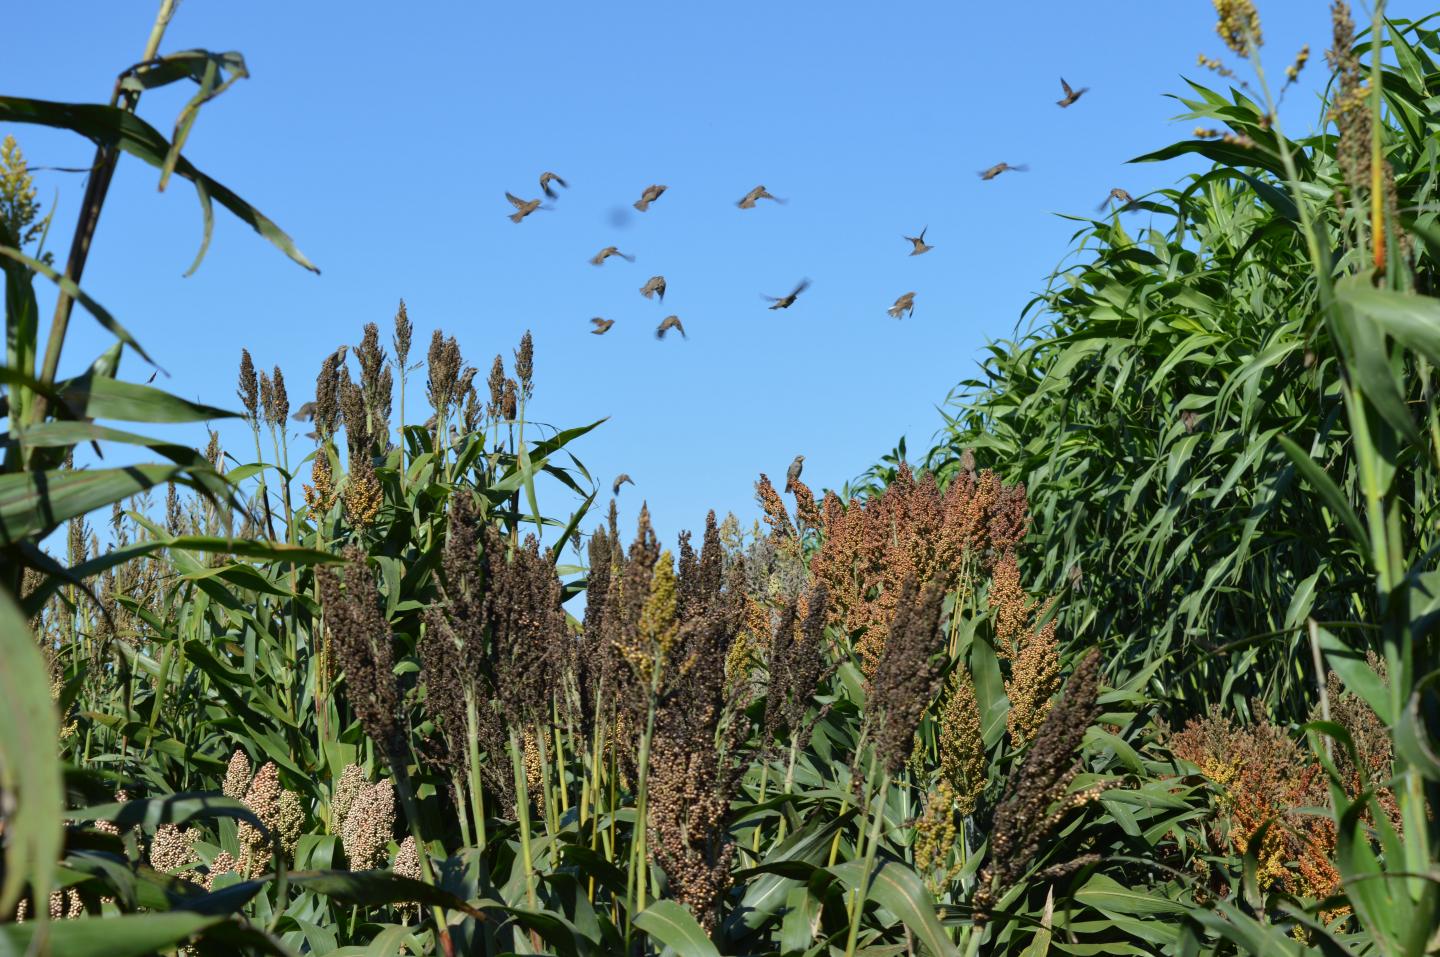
[525,365]
[364,651]
[404,331]
[909,673]
[248,391]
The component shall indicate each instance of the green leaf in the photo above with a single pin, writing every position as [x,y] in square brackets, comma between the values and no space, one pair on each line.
[673,926]
[29,766]
[94,396]
[1334,499]
[114,127]
[1108,896]
[126,935]
[75,292]
[899,890]
[34,502]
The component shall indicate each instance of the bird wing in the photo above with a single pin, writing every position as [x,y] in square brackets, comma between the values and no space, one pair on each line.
[1066,86]
[804,285]
[923,232]
[597,321]
[628,259]
[515,200]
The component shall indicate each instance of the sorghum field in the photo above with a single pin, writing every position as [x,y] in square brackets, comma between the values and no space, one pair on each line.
[1140,658]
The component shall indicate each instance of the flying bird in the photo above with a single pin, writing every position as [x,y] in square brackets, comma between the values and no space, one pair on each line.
[999,168]
[1119,195]
[1071,95]
[919,242]
[620,480]
[606,253]
[523,207]
[792,474]
[785,302]
[904,304]
[651,194]
[602,326]
[546,179]
[758,193]
[670,322]
[305,413]
[655,286]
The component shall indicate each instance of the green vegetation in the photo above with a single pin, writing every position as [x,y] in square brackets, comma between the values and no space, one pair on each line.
[1142,660]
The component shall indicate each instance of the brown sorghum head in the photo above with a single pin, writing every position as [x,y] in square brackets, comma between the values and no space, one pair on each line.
[962,749]
[509,401]
[525,365]
[320,496]
[1034,679]
[368,825]
[773,506]
[444,364]
[909,673]
[237,776]
[327,396]
[364,650]
[248,391]
[347,788]
[404,330]
[173,849]
[496,382]
[363,494]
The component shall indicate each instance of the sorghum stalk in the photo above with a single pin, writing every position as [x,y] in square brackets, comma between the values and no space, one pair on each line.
[635,882]
[472,770]
[522,813]
[863,888]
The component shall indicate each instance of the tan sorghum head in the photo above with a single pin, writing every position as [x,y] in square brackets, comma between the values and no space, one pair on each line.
[368,825]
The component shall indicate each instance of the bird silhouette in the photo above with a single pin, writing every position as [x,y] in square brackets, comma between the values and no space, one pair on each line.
[905,304]
[792,474]
[606,253]
[1071,95]
[649,196]
[919,242]
[1127,202]
[546,179]
[602,326]
[999,168]
[668,323]
[785,302]
[655,286]
[305,413]
[621,479]
[523,207]
[758,193]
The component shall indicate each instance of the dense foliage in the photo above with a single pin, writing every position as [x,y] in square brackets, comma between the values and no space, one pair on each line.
[1141,660]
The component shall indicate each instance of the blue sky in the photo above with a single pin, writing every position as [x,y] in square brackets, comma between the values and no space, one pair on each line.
[383,138]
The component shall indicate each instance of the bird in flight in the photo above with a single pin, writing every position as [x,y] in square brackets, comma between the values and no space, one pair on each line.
[655,286]
[523,207]
[756,194]
[785,302]
[668,323]
[305,413]
[1119,195]
[649,196]
[905,304]
[792,474]
[546,179]
[999,168]
[606,253]
[620,480]
[1071,95]
[602,326]
[919,243]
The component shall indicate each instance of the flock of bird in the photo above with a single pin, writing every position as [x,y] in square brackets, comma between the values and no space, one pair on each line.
[655,286]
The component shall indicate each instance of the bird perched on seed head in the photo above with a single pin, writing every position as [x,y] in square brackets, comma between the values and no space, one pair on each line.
[620,480]
[919,243]
[785,302]
[546,179]
[967,462]
[649,196]
[606,253]
[758,193]
[905,303]
[523,207]
[305,413]
[999,168]
[668,323]
[1119,195]
[602,326]
[655,286]
[1071,95]
[792,474]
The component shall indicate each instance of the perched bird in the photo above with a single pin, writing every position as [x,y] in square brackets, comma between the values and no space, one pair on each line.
[792,474]
[651,194]
[999,168]
[546,179]
[655,286]
[904,304]
[967,463]
[668,323]
[523,207]
[305,413]
[1071,95]
[785,302]
[620,480]
[606,253]
[602,326]
[1119,195]
[919,243]
[758,193]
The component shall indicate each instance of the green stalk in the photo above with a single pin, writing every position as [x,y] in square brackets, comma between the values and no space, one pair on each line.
[638,857]
[522,813]
[857,909]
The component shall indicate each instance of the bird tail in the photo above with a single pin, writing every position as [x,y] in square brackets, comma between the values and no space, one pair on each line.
[642,204]
[516,217]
